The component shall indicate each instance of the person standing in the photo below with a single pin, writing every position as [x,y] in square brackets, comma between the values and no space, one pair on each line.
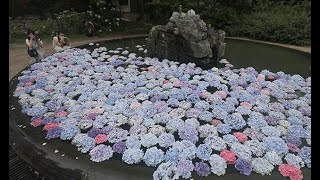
[34,42]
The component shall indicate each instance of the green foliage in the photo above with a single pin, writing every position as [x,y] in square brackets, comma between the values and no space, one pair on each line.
[43,27]
[70,21]
[13,29]
[104,15]
[278,22]
[158,13]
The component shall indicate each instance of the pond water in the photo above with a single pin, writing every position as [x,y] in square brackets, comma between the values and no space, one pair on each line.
[74,165]
[242,54]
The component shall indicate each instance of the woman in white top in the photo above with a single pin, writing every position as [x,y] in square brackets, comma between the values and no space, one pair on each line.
[60,42]
[34,42]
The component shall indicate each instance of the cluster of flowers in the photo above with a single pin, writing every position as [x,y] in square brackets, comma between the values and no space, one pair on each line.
[156,112]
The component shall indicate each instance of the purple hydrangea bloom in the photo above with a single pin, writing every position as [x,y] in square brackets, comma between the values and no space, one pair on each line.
[188,133]
[54,133]
[119,147]
[202,169]
[184,168]
[101,153]
[117,134]
[243,166]
[93,132]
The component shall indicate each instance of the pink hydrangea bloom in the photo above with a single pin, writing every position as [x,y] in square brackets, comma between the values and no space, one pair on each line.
[261,77]
[61,114]
[265,91]
[271,77]
[293,147]
[101,138]
[36,122]
[97,110]
[51,125]
[205,94]
[135,105]
[242,137]
[19,89]
[215,122]
[288,170]
[221,94]
[165,81]
[229,156]
[177,84]
[28,84]
[246,104]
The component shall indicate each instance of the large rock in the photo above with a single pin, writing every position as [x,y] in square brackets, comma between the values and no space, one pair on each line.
[186,38]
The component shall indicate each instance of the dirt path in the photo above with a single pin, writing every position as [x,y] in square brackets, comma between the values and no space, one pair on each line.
[19,59]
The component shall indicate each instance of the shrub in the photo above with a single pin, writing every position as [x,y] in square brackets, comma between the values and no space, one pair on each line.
[70,21]
[158,13]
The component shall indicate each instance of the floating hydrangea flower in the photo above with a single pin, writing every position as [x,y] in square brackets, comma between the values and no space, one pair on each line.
[262,166]
[244,166]
[216,142]
[294,160]
[101,153]
[218,165]
[119,147]
[229,139]
[223,128]
[184,168]
[242,137]
[188,133]
[164,171]
[202,169]
[148,140]
[52,125]
[273,158]
[235,121]
[36,122]
[117,134]
[288,170]
[207,129]
[166,140]
[270,131]
[83,142]
[305,155]
[275,144]
[133,141]
[101,138]
[241,151]
[172,155]
[257,148]
[153,156]
[229,156]
[204,151]
[132,156]
[54,133]
[69,132]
